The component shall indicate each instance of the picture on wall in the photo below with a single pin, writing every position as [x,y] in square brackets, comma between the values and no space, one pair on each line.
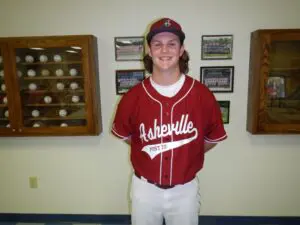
[129,48]
[225,109]
[218,78]
[216,47]
[276,87]
[126,79]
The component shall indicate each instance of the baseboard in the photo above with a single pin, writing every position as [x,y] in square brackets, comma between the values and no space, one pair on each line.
[78,218]
[125,219]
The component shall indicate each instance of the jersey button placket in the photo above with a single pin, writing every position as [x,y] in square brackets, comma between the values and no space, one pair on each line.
[167,109]
[168,139]
[166,157]
[167,119]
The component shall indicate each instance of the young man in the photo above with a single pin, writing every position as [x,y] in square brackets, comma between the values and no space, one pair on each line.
[170,120]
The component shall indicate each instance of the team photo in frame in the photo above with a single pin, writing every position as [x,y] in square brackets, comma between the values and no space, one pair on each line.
[218,78]
[129,48]
[126,79]
[216,47]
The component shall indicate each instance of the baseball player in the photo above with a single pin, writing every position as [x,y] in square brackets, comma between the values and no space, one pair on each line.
[170,120]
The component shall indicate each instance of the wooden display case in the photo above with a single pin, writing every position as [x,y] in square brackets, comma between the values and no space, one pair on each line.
[49,86]
[274,82]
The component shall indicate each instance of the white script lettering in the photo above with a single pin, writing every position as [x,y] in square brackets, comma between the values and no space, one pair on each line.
[184,126]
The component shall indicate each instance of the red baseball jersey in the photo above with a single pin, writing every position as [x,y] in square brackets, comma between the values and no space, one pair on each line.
[168,134]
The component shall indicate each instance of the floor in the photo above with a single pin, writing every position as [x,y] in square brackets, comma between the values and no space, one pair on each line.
[65,223]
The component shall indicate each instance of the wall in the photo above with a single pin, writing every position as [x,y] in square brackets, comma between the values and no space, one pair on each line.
[245,175]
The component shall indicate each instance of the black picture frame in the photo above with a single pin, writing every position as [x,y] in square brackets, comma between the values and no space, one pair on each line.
[218,78]
[225,111]
[126,79]
[216,47]
[129,48]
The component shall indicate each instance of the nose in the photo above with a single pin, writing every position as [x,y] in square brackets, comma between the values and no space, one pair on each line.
[164,48]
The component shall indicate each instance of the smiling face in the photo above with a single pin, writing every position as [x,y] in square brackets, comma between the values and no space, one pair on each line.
[165,50]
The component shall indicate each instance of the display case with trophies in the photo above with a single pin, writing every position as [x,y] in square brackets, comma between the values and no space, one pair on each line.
[274,82]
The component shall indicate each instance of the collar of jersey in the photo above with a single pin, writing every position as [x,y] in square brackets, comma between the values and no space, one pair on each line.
[154,94]
[169,90]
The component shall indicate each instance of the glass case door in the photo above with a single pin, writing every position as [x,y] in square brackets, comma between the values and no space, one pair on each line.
[283,83]
[51,85]
[5,110]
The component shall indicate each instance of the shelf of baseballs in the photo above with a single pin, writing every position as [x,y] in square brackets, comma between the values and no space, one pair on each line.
[54,91]
[53,78]
[39,67]
[55,105]
[51,63]
[57,118]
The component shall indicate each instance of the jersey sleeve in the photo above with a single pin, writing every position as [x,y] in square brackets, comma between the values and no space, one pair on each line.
[122,126]
[214,131]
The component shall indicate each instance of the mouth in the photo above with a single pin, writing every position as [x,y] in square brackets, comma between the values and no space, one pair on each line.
[165,58]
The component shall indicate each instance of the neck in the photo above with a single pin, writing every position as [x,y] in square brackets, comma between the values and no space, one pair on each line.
[166,78]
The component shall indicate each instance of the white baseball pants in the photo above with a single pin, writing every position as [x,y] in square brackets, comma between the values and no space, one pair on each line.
[179,205]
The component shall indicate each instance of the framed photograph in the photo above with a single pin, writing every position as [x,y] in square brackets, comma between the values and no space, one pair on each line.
[276,87]
[225,109]
[126,79]
[129,48]
[218,78]
[216,47]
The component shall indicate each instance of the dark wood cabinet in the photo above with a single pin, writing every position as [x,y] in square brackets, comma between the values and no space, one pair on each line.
[274,82]
[49,86]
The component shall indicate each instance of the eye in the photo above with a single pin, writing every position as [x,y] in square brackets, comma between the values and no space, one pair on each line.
[156,44]
[172,44]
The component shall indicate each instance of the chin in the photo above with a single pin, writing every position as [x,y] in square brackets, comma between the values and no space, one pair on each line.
[166,67]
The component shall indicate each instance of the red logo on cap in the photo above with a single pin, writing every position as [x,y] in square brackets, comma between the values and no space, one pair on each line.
[167,23]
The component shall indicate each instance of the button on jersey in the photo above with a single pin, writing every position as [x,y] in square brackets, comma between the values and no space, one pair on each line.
[168,134]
